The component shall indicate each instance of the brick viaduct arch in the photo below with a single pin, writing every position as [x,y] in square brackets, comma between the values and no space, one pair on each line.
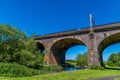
[57,43]
[111,39]
[60,47]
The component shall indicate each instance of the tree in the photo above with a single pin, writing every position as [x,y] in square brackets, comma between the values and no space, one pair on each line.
[15,47]
[29,54]
[114,60]
[82,60]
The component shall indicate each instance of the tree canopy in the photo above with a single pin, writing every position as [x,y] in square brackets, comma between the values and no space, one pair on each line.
[16,48]
[82,60]
[114,60]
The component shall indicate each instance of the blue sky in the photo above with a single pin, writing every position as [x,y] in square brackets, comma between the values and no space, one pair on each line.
[74,51]
[115,48]
[49,16]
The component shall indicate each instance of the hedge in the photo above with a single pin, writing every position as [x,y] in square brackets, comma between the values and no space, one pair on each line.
[16,70]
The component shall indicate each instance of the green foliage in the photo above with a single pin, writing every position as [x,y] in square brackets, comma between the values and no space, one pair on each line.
[114,60]
[29,55]
[15,70]
[97,67]
[16,48]
[110,63]
[71,62]
[82,60]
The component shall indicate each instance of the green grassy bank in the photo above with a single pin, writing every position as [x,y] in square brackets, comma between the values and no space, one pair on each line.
[73,75]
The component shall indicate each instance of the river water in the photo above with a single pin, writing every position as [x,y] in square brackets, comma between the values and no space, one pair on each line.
[71,68]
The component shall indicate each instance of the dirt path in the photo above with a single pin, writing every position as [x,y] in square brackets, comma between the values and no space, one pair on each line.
[107,78]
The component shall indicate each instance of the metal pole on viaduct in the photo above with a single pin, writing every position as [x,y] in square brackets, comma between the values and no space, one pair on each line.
[56,44]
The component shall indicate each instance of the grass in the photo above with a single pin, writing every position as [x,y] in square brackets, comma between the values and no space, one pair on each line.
[117,79]
[73,75]
[72,62]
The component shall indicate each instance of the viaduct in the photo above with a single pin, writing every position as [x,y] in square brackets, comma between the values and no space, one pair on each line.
[56,44]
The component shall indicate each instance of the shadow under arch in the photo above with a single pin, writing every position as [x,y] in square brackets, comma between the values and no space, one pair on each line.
[112,39]
[60,47]
[40,47]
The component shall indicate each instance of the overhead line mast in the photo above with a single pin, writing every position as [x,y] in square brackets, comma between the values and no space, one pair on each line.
[92,23]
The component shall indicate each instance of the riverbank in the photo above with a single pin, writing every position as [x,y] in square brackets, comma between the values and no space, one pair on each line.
[72,75]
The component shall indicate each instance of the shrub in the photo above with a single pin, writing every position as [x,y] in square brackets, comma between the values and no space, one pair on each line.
[15,70]
[110,63]
[97,67]
[17,48]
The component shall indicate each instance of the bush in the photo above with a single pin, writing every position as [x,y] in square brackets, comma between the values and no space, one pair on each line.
[97,68]
[15,70]
[110,63]
[17,48]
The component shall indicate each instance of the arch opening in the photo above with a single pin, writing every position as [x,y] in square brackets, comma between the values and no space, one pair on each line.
[73,51]
[111,56]
[76,57]
[105,44]
[41,47]
[61,47]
